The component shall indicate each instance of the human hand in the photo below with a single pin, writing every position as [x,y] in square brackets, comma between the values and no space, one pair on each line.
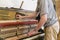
[31,33]
[18,16]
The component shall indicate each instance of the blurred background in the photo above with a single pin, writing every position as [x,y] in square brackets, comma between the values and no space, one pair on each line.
[8,8]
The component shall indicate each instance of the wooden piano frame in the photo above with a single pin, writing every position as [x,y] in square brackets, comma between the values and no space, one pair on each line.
[4,24]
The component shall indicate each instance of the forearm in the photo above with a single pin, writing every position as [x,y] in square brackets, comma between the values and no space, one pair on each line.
[30,16]
[41,22]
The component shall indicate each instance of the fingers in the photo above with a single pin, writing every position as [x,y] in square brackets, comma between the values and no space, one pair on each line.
[31,33]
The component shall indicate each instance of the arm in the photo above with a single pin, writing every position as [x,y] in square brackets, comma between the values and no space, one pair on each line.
[27,16]
[41,22]
[30,16]
[43,14]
